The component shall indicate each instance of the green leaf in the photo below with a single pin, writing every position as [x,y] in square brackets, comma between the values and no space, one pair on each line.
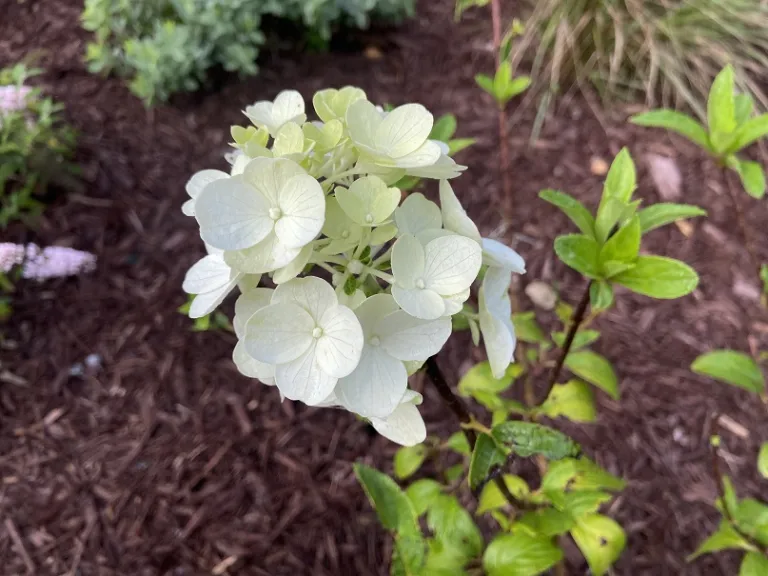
[659,277]
[623,246]
[622,178]
[548,522]
[721,109]
[486,83]
[762,460]
[753,129]
[527,329]
[572,208]
[600,539]
[609,214]
[676,122]
[579,252]
[578,503]
[751,516]
[516,87]
[600,296]
[491,497]
[443,128]
[480,379]
[444,560]
[520,554]
[576,475]
[665,213]
[453,473]
[458,144]
[454,526]
[529,438]
[408,460]
[392,506]
[595,369]
[485,457]
[573,400]
[502,81]
[724,538]
[458,443]
[422,493]
[408,554]
[743,106]
[580,340]
[731,367]
[752,178]
[754,564]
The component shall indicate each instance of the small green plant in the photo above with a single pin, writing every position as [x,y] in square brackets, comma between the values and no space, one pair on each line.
[216,320]
[530,519]
[730,129]
[35,146]
[667,51]
[168,46]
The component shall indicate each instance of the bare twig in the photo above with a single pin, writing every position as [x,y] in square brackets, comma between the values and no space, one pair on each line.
[19,544]
[576,321]
[461,412]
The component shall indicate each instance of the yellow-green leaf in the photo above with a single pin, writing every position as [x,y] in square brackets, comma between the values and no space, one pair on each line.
[520,554]
[600,539]
[573,400]
[595,369]
[731,367]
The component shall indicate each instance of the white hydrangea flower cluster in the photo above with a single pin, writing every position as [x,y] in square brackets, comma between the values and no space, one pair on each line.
[321,196]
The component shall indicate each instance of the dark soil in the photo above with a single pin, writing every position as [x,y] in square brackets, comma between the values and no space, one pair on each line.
[164,460]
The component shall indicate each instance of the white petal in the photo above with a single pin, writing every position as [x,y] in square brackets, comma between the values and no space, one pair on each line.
[413,366]
[340,346]
[408,261]
[232,215]
[493,296]
[426,155]
[368,201]
[249,282]
[208,274]
[279,333]
[204,304]
[238,166]
[266,256]
[374,309]
[426,236]
[417,214]
[376,386]
[424,304]
[313,294]
[454,216]
[260,113]
[451,264]
[303,205]
[499,343]
[201,179]
[303,379]
[269,175]
[188,208]
[497,254]
[404,130]
[248,366]
[294,268]
[352,302]
[363,121]
[247,304]
[405,426]
[444,169]
[288,107]
[409,338]
[455,302]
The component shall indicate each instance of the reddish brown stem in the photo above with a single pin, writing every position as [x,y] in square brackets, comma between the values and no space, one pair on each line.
[576,320]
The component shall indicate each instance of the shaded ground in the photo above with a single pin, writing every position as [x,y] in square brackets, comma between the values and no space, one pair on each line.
[165,461]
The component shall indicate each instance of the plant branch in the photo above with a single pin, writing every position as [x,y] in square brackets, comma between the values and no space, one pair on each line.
[460,410]
[576,321]
[749,242]
[718,478]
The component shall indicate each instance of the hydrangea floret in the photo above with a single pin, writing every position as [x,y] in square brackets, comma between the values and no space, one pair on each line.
[346,286]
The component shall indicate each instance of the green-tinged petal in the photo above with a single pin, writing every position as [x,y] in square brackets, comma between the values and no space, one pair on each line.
[279,333]
[294,267]
[404,130]
[405,426]
[304,379]
[368,201]
[363,121]
[451,264]
[266,256]
[408,261]
[454,216]
[417,214]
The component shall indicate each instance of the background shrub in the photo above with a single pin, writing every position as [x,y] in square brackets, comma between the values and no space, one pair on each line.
[168,46]
[667,51]
[35,146]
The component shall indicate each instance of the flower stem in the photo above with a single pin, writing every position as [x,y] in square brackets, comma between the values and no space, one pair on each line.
[388,278]
[576,321]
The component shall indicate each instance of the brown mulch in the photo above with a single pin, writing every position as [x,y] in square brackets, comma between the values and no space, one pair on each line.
[162,459]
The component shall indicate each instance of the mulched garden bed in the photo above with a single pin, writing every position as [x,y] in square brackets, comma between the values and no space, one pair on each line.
[162,459]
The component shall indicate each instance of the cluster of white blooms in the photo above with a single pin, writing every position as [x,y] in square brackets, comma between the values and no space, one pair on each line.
[43,263]
[13,98]
[321,196]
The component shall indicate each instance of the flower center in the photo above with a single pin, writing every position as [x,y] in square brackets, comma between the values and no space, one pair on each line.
[317,332]
[369,218]
[420,284]
[355,267]
[275,213]
[374,341]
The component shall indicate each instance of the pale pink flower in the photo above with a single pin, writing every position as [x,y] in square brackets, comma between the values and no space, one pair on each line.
[51,262]
[13,98]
